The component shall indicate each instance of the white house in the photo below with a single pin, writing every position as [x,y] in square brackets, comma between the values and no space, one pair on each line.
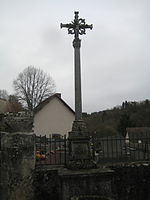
[53,116]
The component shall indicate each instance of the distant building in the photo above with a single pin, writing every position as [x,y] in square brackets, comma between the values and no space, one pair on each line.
[53,116]
[138,133]
[7,106]
[3,105]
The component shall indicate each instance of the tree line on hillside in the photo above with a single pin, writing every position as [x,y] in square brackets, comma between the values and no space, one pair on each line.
[115,121]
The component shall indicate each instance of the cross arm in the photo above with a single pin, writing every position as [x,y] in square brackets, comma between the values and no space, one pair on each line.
[86,26]
[66,25]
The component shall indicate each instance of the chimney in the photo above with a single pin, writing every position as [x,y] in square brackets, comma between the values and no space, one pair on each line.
[58,95]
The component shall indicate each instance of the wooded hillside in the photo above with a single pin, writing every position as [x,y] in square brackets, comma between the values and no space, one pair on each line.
[116,120]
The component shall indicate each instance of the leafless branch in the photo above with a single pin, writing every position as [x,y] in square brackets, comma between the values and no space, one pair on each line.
[33,86]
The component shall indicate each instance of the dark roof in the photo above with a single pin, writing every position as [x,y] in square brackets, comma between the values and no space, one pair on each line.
[138,132]
[138,129]
[46,101]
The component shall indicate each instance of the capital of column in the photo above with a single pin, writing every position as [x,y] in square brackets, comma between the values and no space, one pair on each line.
[76,43]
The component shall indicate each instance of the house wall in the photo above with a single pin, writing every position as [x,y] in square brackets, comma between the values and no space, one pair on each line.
[54,117]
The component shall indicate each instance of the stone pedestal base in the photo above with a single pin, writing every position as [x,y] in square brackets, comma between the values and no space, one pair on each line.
[80,155]
[81,164]
[92,184]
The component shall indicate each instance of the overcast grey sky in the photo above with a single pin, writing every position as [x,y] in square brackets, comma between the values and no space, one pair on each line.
[114,55]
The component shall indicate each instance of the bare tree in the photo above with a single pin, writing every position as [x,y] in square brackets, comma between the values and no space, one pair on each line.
[32,86]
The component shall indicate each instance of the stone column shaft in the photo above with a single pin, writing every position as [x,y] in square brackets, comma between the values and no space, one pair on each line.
[78,95]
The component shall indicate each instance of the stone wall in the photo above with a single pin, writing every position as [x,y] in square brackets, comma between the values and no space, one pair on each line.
[21,180]
[63,184]
[86,184]
[17,157]
[16,122]
[130,182]
[46,184]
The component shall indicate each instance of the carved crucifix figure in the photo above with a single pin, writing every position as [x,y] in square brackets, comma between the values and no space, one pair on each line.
[77,27]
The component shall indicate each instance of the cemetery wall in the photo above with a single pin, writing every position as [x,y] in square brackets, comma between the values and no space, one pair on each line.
[21,180]
[130,182]
[17,156]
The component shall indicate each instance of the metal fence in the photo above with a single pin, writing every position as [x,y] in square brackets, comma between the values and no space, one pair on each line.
[51,151]
[109,150]
[114,150]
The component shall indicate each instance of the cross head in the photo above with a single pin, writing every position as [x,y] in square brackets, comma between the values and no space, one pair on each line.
[77,27]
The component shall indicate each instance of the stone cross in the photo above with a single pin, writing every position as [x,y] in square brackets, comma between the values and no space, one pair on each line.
[79,142]
[77,27]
